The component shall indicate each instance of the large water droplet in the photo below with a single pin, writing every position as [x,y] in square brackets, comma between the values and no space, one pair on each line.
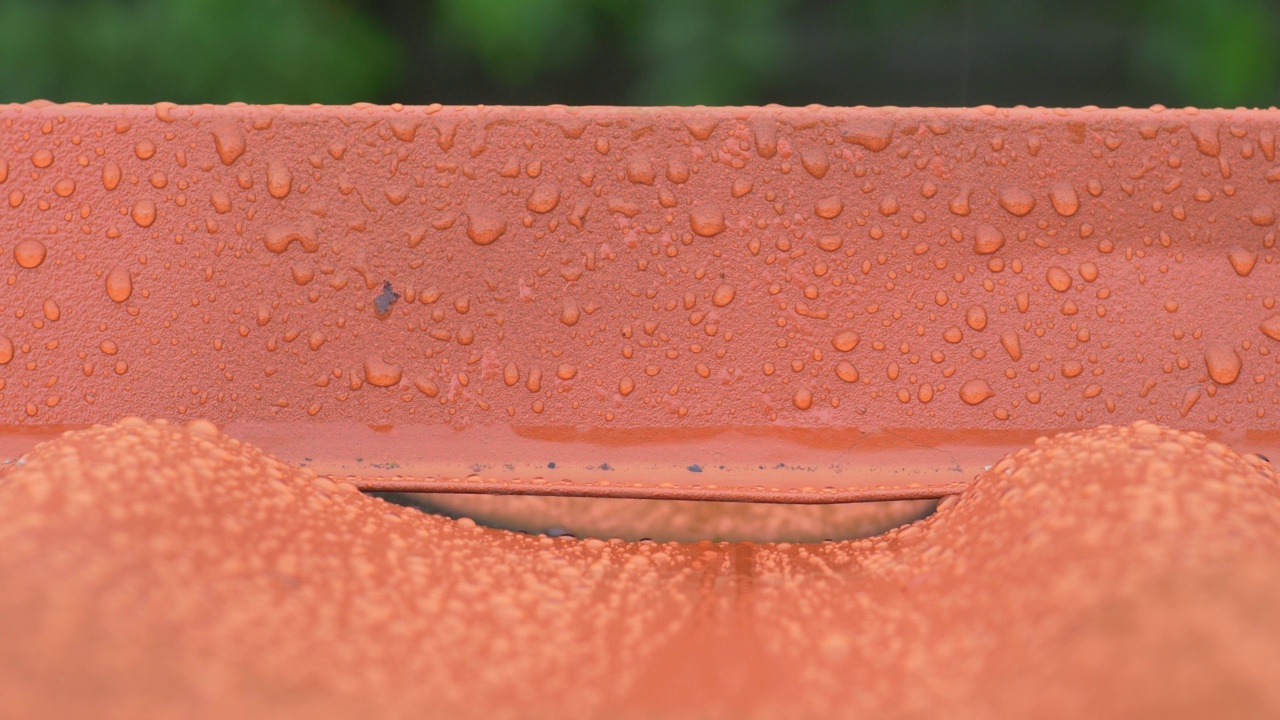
[144,213]
[707,219]
[976,391]
[987,239]
[845,340]
[723,295]
[381,373]
[1018,201]
[119,284]
[229,141]
[544,198]
[29,253]
[484,226]
[1223,363]
[279,180]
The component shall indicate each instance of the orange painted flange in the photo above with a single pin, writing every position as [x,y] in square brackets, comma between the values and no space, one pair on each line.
[836,303]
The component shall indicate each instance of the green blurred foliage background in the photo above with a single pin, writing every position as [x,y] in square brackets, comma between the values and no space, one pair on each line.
[895,52]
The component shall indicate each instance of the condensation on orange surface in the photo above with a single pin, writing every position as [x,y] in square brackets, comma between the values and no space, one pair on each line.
[153,570]
[518,270]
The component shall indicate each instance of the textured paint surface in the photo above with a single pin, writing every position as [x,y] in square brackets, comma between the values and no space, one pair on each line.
[158,571]
[540,270]
[762,303]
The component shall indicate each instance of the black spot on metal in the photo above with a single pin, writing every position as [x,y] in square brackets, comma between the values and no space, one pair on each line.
[389,295]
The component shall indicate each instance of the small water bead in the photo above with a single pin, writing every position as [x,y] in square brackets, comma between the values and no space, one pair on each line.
[111,176]
[1271,327]
[229,142]
[815,161]
[6,350]
[830,243]
[723,295]
[204,428]
[484,227]
[426,386]
[640,171]
[1189,400]
[706,220]
[144,213]
[872,133]
[570,314]
[846,371]
[380,373]
[803,399]
[974,392]
[1058,279]
[1242,260]
[119,284]
[1009,341]
[987,239]
[279,180]
[976,317]
[1017,201]
[544,198]
[626,386]
[829,208]
[29,253]
[1206,132]
[846,340]
[277,238]
[566,371]
[221,201]
[1223,363]
[1064,199]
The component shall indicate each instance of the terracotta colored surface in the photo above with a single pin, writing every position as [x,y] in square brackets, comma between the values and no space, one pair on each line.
[683,284]
[159,571]
[773,305]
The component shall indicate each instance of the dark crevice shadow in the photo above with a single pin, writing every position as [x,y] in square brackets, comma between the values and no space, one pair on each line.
[671,520]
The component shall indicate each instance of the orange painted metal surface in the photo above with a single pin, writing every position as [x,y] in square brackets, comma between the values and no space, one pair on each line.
[802,306]
[158,571]
[799,303]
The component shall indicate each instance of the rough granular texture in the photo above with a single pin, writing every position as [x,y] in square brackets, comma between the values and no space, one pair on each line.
[153,570]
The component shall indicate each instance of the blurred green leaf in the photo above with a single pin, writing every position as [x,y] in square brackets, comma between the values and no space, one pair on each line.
[289,51]
[712,53]
[1211,52]
[517,39]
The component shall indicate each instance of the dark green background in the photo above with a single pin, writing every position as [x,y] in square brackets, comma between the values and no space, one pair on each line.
[896,52]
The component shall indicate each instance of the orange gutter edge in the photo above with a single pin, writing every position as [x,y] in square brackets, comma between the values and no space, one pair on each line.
[764,304]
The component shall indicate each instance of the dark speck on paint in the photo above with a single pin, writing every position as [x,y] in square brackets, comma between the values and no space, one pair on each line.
[388,296]
[695,468]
